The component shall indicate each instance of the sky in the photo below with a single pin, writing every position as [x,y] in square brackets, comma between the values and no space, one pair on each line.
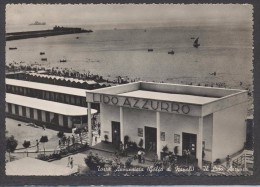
[148,15]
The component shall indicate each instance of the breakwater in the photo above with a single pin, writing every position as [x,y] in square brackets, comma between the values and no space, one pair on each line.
[44,33]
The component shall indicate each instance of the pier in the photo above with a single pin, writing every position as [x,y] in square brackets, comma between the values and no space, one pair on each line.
[57,30]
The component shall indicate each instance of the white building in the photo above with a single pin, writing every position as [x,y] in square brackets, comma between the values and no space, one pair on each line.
[190,117]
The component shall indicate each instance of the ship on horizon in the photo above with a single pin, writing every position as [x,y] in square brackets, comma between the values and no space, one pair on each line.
[38,23]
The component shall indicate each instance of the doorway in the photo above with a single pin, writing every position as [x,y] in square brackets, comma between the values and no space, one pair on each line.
[150,139]
[189,142]
[116,134]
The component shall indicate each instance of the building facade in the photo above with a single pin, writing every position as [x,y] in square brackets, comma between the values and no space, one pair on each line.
[209,122]
[57,107]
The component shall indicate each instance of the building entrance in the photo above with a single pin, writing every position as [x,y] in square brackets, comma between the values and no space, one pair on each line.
[189,142]
[150,139]
[116,134]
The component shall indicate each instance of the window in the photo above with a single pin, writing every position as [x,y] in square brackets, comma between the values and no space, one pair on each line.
[39,113]
[24,110]
[47,114]
[65,121]
[31,113]
[16,109]
[9,108]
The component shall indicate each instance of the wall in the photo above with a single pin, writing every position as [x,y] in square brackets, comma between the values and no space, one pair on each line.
[177,124]
[134,119]
[109,113]
[207,136]
[229,131]
[170,124]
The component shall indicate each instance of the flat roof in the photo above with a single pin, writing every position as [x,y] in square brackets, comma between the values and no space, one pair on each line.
[63,78]
[50,106]
[32,166]
[169,97]
[47,87]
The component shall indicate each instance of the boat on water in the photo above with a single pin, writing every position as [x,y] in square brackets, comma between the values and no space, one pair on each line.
[196,43]
[150,50]
[12,48]
[63,60]
[171,52]
[38,23]
[42,53]
[192,38]
[43,59]
[77,37]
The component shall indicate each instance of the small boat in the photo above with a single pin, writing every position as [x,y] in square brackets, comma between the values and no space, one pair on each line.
[42,53]
[63,60]
[192,38]
[38,23]
[196,43]
[77,37]
[12,48]
[150,50]
[43,59]
[171,52]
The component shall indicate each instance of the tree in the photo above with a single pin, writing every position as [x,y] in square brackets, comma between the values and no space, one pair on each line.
[26,144]
[43,140]
[11,144]
[141,143]
[60,134]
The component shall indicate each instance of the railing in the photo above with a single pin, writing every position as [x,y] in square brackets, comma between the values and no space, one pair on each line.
[78,141]
[244,159]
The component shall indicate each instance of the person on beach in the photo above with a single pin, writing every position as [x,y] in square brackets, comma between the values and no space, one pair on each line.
[68,164]
[71,162]
[37,146]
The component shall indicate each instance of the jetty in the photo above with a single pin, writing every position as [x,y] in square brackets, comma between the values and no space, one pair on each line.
[57,30]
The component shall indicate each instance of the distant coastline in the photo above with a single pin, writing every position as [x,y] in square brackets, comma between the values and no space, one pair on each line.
[57,30]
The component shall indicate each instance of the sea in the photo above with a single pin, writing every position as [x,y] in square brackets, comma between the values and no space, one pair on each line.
[224,56]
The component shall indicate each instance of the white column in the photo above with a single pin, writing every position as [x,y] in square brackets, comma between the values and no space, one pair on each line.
[35,114]
[89,124]
[13,109]
[27,112]
[158,135]
[122,124]
[69,122]
[199,142]
[61,120]
[20,110]
[43,116]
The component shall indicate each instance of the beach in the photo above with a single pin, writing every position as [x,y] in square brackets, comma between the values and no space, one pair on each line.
[112,53]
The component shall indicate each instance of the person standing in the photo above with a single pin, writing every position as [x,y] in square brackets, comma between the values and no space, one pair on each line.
[68,164]
[139,156]
[37,146]
[228,159]
[99,132]
[71,162]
